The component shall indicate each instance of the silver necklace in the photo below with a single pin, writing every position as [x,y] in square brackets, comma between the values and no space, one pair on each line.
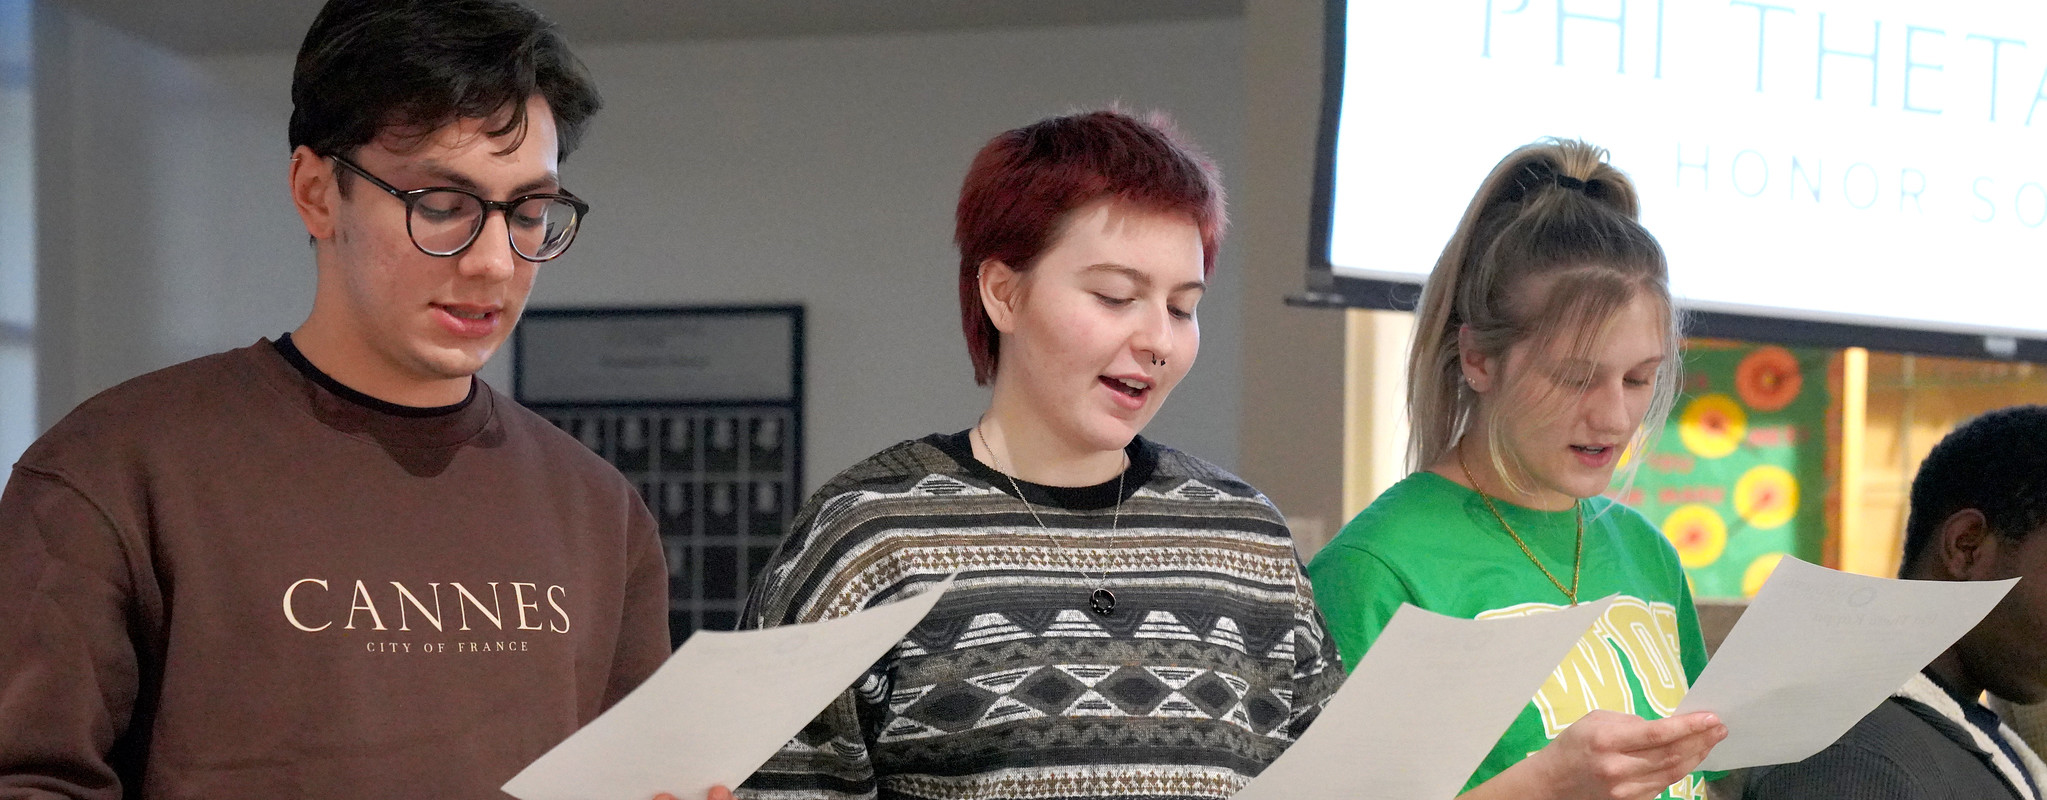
[1100,600]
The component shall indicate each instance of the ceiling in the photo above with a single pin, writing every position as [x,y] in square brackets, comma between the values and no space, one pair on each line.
[212,27]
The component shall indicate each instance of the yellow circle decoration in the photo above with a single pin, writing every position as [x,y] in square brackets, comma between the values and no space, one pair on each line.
[1766,496]
[1759,571]
[1698,533]
[1712,425]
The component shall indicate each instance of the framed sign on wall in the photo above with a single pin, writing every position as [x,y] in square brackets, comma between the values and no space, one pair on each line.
[702,409]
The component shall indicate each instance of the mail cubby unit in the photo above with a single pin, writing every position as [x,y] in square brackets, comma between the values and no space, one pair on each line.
[701,409]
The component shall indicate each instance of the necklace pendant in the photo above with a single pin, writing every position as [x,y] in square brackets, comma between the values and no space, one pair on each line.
[1102,602]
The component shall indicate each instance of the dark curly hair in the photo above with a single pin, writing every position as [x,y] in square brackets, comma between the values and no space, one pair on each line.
[1995,464]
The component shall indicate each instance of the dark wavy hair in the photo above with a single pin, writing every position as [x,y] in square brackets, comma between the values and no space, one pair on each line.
[413,66]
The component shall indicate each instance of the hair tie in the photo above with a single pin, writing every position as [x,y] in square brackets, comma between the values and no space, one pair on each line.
[1569,182]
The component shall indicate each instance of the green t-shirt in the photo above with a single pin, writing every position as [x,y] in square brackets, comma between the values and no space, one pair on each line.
[1432,543]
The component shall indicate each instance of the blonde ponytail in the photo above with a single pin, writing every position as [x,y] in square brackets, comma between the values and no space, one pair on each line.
[1551,209]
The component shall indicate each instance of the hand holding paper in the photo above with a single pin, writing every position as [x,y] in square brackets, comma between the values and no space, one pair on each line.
[717,793]
[719,708]
[1817,649]
[1609,754]
[1424,706]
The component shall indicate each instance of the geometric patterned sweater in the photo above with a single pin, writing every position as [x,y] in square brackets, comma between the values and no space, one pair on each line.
[1212,662]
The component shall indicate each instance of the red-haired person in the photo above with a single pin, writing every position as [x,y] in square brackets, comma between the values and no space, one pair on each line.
[1129,620]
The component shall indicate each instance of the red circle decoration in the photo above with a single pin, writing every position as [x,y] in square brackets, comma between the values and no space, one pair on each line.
[1768,379]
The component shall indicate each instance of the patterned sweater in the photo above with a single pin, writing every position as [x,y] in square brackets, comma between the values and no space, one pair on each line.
[1213,660]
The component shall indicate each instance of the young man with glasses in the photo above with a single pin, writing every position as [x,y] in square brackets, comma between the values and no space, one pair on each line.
[336,564]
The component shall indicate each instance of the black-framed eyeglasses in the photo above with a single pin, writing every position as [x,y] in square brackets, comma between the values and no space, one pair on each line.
[444,221]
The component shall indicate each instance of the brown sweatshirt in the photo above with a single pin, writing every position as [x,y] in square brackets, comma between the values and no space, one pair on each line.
[224,580]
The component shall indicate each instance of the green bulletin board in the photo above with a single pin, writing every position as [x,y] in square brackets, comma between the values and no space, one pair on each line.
[1737,477]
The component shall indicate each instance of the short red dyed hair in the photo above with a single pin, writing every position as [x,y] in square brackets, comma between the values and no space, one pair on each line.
[1025,183]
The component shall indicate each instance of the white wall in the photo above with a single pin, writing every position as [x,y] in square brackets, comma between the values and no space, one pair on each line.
[821,171]
[1292,438]
[826,170]
[165,231]
[17,232]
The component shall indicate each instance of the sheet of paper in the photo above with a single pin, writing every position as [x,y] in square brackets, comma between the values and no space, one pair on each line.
[718,708]
[1817,650]
[1426,703]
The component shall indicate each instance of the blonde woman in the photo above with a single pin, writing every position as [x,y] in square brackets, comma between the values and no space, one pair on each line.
[1546,346]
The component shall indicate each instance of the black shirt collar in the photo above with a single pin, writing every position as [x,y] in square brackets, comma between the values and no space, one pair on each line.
[1143,457]
[291,354]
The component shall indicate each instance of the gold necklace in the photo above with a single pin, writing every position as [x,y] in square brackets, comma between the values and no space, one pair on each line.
[1577,558]
[1101,600]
